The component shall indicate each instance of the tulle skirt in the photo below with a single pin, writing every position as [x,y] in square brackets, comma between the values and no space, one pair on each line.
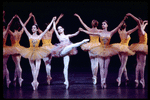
[56,51]
[88,46]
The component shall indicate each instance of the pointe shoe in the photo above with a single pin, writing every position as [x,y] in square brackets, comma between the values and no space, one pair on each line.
[136,83]
[94,80]
[104,85]
[143,83]
[67,84]
[20,81]
[119,81]
[35,84]
[49,79]
[8,82]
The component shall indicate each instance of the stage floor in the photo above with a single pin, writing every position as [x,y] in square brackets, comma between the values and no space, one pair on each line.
[80,87]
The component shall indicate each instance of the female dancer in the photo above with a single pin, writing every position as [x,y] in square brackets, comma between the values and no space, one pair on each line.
[35,53]
[65,48]
[141,50]
[6,51]
[94,41]
[124,51]
[46,40]
[15,46]
[105,50]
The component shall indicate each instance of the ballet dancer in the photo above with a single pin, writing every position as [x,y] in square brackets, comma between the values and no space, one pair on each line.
[35,53]
[141,49]
[65,48]
[105,50]
[46,40]
[94,41]
[15,38]
[6,51]
[124,50]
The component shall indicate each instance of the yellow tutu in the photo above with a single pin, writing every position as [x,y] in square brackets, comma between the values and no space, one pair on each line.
[94,41]
[34,52]
[105,49]
[123,47]
[141,46]
[6,49]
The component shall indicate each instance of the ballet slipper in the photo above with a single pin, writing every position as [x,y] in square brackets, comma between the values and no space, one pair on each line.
[67,84]
[8,82]
[35,84]
[136,83]
[103,84]
[119,81]
[143,83]
[94,80]
[49,79]
[20,81]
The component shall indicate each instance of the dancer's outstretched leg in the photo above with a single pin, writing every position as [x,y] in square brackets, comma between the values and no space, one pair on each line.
[68,48]
[5,70]
[66,60]
[18,70]
[47,61]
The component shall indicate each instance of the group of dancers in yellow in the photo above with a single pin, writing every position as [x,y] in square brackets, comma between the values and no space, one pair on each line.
[98,46]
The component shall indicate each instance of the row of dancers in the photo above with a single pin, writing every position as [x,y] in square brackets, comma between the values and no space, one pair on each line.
[99,52]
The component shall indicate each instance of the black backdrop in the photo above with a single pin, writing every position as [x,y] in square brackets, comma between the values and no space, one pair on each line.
[113,12]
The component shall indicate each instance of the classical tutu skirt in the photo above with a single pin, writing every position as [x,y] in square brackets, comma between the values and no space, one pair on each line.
[88,46]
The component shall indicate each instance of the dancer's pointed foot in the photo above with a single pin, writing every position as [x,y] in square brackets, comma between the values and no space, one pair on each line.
[35,84]
[94,80]
[67,84]
[49,79]
[136,83]
[119,81]
[8,82]
[143,83]
[20,81]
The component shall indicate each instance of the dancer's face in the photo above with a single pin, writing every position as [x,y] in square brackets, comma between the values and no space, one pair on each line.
[60,29]
[104,25]
[34,29]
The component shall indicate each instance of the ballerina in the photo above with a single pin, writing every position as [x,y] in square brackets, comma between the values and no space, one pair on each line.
[15,46]
[124,50]
[46,40]
[94,41]
[35,53]
[6,51]
[65,48]
[105,50]
[141,49]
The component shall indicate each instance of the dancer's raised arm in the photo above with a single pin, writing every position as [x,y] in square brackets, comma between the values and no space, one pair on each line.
[116,29]
[48,27]
[26,31]
[88,32]
[72,35]
[54,26]
[132,30]
[85,26]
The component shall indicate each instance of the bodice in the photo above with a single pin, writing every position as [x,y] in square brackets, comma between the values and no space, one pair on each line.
[143,39]
[94,38]
[125,41]
[105,40]
[34,42]
[46,41]
[4,42]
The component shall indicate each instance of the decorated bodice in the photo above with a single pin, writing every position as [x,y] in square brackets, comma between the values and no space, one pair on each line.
[143,39]
[94,39]
[105,40]
[125,41]
[34,42]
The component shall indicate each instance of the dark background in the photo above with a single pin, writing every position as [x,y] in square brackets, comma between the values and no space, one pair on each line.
[113,12]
